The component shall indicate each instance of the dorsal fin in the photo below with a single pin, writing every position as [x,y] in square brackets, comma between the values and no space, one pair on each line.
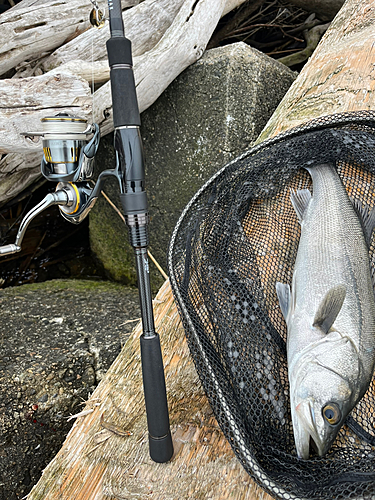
[300,199]
[284,296]
[367,218]
[329,308]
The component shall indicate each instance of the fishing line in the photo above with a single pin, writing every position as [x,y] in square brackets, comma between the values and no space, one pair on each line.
[92,78]
[97,20]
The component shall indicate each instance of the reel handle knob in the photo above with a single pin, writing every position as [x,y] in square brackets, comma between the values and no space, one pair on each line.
[9,249]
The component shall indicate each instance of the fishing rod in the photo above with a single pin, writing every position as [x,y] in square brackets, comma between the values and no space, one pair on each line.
[129,151]
[69,146]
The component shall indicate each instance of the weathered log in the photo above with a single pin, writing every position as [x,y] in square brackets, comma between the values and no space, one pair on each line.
[17,170]
[97,72]
[25,101]
[339,75]
[96,463]
[32,28]
[145,24]
[125,4]
[28,99]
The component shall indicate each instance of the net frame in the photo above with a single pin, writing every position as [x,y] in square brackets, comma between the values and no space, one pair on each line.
[210,268]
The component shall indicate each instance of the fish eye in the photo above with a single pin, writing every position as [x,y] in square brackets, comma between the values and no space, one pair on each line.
[332,413]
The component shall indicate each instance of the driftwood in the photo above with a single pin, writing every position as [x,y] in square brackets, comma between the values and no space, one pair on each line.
[36,27]
[25,101]
[145,24]
[338,77]
[96,463]
[167,35]
[17,170]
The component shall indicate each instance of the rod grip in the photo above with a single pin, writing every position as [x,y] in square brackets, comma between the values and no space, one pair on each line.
[124,98]
[160,439]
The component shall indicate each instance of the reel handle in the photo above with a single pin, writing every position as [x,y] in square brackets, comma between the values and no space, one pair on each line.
[60,197]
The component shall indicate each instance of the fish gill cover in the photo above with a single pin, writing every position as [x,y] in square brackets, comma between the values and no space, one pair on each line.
[234,241]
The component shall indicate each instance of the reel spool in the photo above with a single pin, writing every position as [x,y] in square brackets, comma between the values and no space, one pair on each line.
[68,157]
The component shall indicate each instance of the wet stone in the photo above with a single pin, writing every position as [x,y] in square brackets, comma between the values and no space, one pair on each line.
[211,113]
[57,340]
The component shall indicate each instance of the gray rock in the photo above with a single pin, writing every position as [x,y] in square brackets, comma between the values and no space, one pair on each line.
[57,340]
[211,113]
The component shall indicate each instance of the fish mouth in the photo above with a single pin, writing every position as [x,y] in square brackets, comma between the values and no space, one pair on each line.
[306,436]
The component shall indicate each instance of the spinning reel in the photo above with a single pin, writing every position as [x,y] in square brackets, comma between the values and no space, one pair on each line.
[68,160]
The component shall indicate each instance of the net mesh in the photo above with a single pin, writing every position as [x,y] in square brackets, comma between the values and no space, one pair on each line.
[236,238]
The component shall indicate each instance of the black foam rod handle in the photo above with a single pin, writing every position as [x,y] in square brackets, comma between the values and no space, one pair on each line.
[124,98]
[160,439]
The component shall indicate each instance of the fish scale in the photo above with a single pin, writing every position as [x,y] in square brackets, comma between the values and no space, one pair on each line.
[330,312]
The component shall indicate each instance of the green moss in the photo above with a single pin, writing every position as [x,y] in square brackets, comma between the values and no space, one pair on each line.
[73,285]
[111,245]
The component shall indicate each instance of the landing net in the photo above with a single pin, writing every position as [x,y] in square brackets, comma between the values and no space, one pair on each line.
[236,238]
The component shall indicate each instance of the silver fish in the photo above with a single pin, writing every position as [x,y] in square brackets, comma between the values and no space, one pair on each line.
[329,312]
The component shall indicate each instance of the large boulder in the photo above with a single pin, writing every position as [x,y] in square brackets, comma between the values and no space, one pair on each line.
[212,112]
[57,340]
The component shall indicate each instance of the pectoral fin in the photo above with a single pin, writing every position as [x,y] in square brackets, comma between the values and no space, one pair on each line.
[285,298]
[329,308]
[300,199]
